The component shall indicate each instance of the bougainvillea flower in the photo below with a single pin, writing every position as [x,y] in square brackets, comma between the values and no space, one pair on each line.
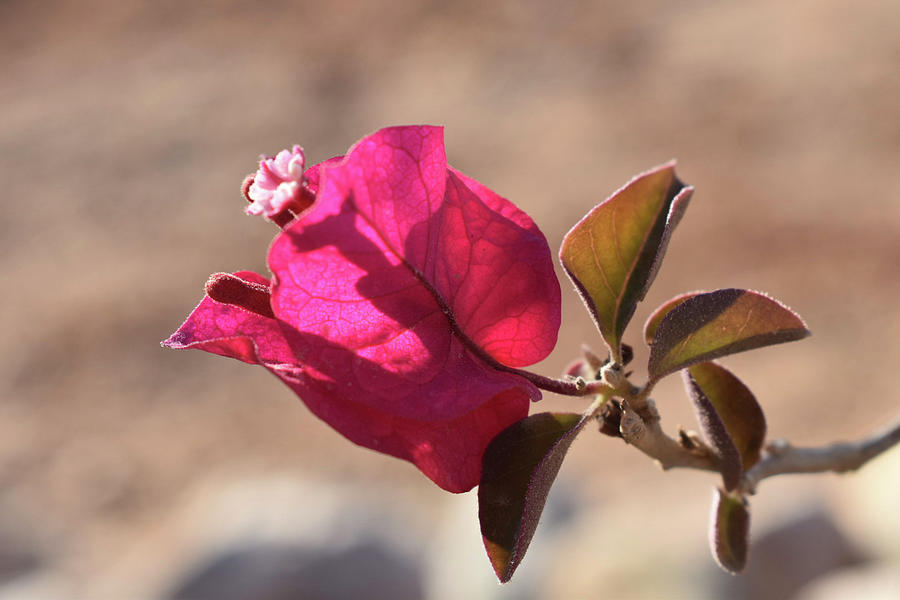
[278,184]
[399,303]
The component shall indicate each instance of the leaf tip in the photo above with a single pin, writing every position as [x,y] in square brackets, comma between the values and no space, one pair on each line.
[669,164]
[519,467]
[729,531]
[501,560]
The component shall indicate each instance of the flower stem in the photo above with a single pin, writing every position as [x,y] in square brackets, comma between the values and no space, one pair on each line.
[576,387]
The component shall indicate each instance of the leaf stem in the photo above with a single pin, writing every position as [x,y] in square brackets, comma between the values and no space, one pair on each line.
[575,387]
[615,352]
[597,405]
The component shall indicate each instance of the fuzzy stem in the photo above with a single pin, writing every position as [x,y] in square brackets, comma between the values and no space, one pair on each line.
[640,428]
[577,387]
[781,458]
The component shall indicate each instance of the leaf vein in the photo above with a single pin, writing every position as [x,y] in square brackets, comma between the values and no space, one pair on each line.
[746,322]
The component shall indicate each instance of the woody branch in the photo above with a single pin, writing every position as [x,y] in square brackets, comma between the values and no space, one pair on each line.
[641,428]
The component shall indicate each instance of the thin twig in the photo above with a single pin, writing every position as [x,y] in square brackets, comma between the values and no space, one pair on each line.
[641,429]
[781,458]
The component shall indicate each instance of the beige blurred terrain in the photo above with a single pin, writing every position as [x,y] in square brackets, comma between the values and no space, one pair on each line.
[125,131]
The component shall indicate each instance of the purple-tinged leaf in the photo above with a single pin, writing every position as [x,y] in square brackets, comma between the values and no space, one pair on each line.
[660,313]
[518,469]
[729,530]
[614,252]
[733,403]
[714,324]
[716,434]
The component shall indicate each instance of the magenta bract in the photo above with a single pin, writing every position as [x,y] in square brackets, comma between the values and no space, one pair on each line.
[398,297]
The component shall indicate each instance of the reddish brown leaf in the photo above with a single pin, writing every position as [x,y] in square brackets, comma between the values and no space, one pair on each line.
[714,324]
[659,314]
[518,469]
[729,531]
[716,434]
[614,252]
[735,406]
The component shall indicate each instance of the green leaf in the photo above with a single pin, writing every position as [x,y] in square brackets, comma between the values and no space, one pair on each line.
[735,405]
[518,469]
[718,323]
[614,252]
[659,314]
[729,530]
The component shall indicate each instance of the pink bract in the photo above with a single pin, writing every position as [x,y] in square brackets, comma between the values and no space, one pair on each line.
[399,299]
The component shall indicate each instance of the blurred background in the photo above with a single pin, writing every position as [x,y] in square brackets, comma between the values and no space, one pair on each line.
[129,471]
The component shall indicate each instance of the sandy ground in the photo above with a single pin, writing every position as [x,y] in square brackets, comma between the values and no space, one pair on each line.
[126,128]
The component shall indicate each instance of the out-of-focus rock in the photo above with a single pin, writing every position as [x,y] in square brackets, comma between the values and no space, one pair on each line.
[17,558]
[878,582]
[21,556]
[43,584]
[788,557]
[368,569]
[282,540]
[458,566]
